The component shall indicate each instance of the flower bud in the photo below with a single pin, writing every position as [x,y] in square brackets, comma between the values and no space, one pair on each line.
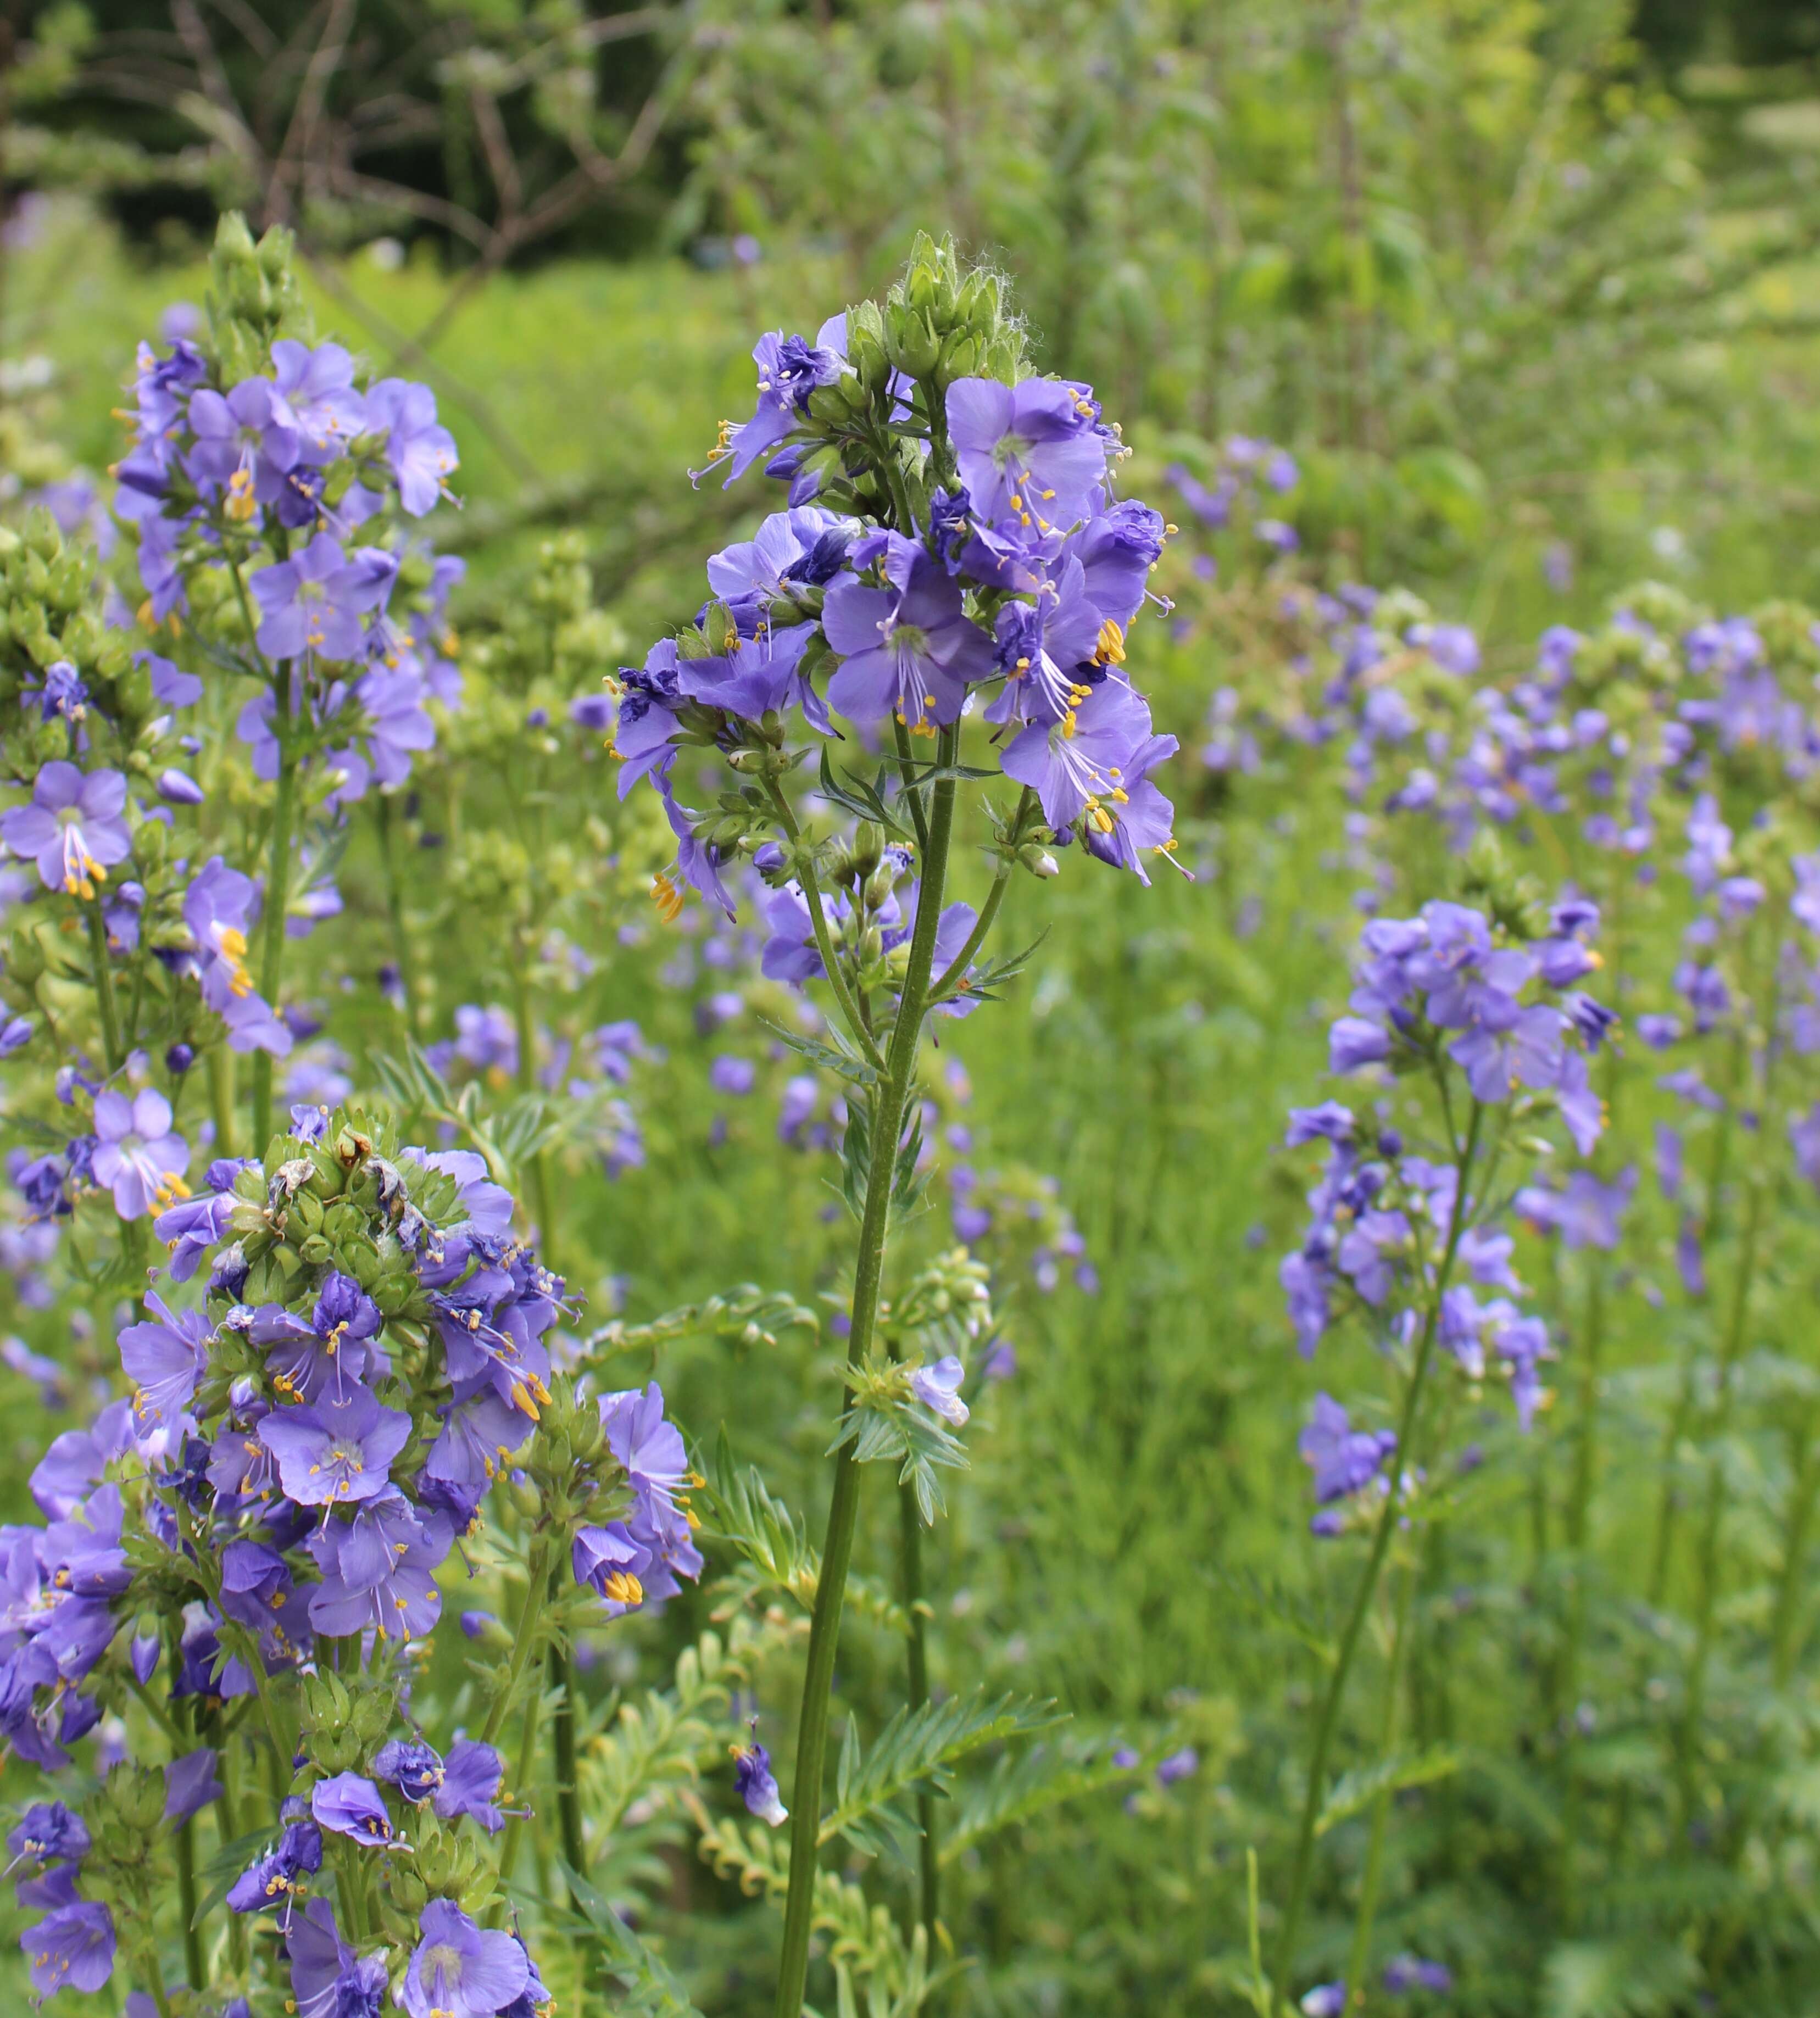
[1034,857]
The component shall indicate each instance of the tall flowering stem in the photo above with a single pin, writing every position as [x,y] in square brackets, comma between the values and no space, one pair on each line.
[1387,1522]
[277,895]
[812,1737]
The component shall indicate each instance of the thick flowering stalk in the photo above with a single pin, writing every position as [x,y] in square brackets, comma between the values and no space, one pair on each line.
[953,528]
[1469,1010]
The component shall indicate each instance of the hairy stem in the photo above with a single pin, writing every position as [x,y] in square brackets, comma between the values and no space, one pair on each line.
[858,1028]
[887,1120]
[1301,1870]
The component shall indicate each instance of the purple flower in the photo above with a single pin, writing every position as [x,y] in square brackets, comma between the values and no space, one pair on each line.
[351,1806]
[1344,1460]
[756,1786]
[163,1357]
[608,1561]
[49,1833]
[1668,1155]
[71,1948]
[729,1074]
[789,369]
[136,1155]
[1404,1972]
[1354,1043]
[459,1970]
[1076,766]
[335,1452]
[938,1387]
[1182,1765]
[420,452]
[1326,2000]
[472,1777]
[327,1979]
[1328,1123]
[908,648]
[1497,1061]
[1043,648]
[379,1569]
[273,1881]
[190,1785]
[1581,1111]
[72,827]
[245,441]
[1031,453]
[318,387]
[1591,1210]
[313,602]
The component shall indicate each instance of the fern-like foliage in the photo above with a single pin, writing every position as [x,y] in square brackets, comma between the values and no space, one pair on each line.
[652,1988]
[918,1746]
[1640,1978]
[1353,1792]
[743,1513]
[1023,1785]
[865,1947]
[744,1315]
[660,1744]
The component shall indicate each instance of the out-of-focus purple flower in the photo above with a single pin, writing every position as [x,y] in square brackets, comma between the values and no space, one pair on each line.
[1182,1765]
[420,452]
[72,827]
[1326,2000]
[136,1156]
[190,1785]
[1344,1460]
[313,602]
[728,1073]
[1406,1972]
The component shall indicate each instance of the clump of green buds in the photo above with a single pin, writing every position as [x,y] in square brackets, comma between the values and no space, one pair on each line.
[254,298]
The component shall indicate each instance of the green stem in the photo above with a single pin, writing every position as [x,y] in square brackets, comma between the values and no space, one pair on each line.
[857,1026]
[527,1753]
[193,1966]
[1784,1640]
[276,900]
[563,1745]
[1367,1890]
[1286,1945]
[1578,1521]
[949,982]
[401,943]
[522,1641]
[843,1508]
[906,770]
[227,1828]
[1708,1556]
[155,1980]
[103,974]
[910,1526]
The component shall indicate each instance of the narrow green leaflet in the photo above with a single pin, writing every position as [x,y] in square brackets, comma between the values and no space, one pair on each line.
[1023,1785]
[918,1745]
[652,1989]
[1353,1792]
